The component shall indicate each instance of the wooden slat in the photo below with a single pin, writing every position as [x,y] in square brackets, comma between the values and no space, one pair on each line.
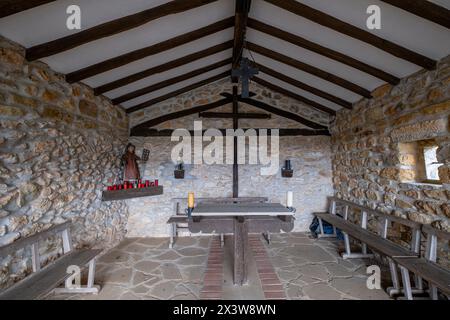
[163,67]
[425,9]
[429,271]
[40,283]
[280,112]
[442,235]
[27,241]
[310,69]
[178,92]
[224,115]
[180,114]
[111,28]
[169,82]
[149,132]
[354,32]
[304,86]
[324,51]
[294,96]
[9,7]
[374,241]
[149,51]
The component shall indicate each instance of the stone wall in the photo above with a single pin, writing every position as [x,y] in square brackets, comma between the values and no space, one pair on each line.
[369,164]
[59,147]
[311,184]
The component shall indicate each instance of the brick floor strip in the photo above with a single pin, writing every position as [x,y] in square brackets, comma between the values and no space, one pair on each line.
[270,283]
[213,278]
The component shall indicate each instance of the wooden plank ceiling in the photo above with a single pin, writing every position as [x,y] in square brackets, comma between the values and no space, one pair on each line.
[318,52]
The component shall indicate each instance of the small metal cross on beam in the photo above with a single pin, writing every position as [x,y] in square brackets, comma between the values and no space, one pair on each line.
[245,72]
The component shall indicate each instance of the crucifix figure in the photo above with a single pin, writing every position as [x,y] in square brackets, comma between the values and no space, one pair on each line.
[245,72]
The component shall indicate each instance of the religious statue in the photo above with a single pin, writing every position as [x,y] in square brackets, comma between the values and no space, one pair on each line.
[129,161]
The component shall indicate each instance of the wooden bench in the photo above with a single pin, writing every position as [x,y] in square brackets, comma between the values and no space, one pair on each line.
[376,241]
[44,279]
[180,219]
[426,267]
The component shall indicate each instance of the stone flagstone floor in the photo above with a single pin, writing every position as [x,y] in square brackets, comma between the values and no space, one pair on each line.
[145,268]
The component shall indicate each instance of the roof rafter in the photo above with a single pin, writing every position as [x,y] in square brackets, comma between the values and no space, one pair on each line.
[111,28]
[304,86]
[148,51]
[178,92]
[294,96]
[169,82]
[324,51]
[10,7]
[163,67]
[424,9]
[310,69]
[149,132]
[354,32]
[240,26]
[182,113]
[282,113]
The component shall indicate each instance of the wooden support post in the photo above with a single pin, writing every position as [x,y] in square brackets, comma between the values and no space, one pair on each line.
[67,241]
[91,274]
[406,283]
[240,251]
[364,226]
[235,161]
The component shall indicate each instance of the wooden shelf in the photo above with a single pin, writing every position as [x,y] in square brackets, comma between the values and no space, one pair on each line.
[132,193]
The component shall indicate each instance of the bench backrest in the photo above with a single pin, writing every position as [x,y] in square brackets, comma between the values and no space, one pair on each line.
[433,235]
[385,219]
[33,241]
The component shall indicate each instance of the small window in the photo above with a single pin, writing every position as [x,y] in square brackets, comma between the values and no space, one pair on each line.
[431,164]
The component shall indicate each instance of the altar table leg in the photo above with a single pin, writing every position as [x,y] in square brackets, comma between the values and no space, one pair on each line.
[240,251]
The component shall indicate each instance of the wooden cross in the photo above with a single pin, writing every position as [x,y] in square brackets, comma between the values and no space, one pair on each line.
[245,72]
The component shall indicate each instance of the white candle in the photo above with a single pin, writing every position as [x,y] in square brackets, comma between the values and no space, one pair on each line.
[290,199]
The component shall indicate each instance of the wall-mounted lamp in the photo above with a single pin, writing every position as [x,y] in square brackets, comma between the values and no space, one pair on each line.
[287,171]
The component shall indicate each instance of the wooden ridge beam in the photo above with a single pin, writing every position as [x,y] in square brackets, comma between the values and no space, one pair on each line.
[150,132]
[178,92]
[225,115]
[10,7]
[182,113]
[304,86]
[294,96]
[279,112]
[169,82]
[163,67]
[240,26]
[354,32]
[111,28]
[324,51]
[148,51]
[310,69]
[424,9]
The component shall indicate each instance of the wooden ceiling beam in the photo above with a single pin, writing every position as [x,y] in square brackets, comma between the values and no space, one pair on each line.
[424,9]
[163,67]
[169,82]
[225,115]
[240,26]
[10,7]
[180,114]
[111,28]
[354,32]
[310,69]
[151,132]
[148,51]
[294,96]
[178,92]
[279,112]
[304,86]
[324,51]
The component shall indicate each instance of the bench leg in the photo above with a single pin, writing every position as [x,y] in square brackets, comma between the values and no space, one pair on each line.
[394,276]
[348,251]
[406,283]
[434,292]
[322,234]
[172,235]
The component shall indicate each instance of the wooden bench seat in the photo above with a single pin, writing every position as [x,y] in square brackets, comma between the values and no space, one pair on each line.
[41,283]
[45,279]
[374,241]
[429,271]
